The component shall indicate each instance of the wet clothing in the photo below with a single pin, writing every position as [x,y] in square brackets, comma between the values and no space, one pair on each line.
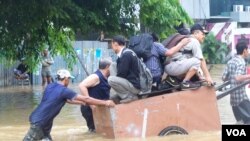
[238,98]
[100,91]
[88,116]
[54,98]
[36,133]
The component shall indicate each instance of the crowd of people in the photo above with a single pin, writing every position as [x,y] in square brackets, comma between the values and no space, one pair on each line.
[186,58]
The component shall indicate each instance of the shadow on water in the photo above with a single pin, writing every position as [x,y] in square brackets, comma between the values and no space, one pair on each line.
[16,104]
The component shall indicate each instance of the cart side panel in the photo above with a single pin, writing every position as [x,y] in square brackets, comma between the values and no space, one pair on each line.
[103,121]
[191,110]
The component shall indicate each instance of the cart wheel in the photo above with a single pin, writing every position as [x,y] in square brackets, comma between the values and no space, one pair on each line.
[173,130]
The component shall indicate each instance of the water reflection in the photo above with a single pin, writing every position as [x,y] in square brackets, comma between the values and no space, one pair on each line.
[16,104]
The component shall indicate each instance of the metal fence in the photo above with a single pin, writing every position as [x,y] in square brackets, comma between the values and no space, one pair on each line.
[88,51]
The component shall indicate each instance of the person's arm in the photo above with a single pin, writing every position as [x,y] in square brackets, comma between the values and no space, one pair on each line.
[72,97]
[44,62]
[90,81]
[93,101]
[176,48]
[50,60]
[240,74]
[76,102]
[241,78]
[206,72]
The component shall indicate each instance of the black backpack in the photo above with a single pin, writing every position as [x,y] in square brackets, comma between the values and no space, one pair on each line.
[141,45]
[145,76]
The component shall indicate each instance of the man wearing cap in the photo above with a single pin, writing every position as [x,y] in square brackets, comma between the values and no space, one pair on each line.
[96,86]
[189,59]
[54,98]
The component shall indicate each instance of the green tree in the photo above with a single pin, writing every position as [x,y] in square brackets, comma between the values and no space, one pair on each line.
[28,26]
[214,51]
[161,16]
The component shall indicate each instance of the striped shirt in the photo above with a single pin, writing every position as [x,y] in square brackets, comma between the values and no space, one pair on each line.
[153,63]
[236,66]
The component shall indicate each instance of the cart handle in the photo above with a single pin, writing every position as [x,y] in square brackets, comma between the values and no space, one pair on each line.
[221,95]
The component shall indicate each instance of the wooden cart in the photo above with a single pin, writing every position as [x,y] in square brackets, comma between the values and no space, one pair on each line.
[180,112]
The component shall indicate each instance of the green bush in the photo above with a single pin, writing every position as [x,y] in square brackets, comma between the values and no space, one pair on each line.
[214,51]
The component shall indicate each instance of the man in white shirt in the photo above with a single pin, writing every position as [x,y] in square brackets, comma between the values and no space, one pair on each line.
[189,59]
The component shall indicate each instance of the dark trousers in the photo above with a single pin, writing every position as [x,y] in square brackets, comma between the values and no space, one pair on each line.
[242,111]
[36,133]
[88,116]
[157,81]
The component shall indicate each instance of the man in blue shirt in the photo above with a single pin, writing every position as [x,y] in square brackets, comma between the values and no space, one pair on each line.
[158,51]
[54,98]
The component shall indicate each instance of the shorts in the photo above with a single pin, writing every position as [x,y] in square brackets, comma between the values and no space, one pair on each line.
[180,67]
[46,73]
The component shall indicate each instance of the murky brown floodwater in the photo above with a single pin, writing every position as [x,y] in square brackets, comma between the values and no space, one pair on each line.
[17,102]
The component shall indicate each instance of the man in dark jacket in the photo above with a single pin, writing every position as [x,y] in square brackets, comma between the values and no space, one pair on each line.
[126,83]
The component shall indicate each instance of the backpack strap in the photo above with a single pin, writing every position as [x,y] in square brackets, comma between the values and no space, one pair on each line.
[129,50]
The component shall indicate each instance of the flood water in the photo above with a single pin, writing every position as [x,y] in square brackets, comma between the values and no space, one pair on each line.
[17,102]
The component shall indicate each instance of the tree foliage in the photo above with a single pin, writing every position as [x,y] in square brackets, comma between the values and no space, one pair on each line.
[214,51]
[29,26]
[162,16]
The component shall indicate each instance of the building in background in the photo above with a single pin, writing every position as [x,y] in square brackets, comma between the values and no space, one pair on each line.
[229,20]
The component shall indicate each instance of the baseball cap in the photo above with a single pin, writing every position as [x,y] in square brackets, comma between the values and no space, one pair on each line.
[62,73]
[198,27]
